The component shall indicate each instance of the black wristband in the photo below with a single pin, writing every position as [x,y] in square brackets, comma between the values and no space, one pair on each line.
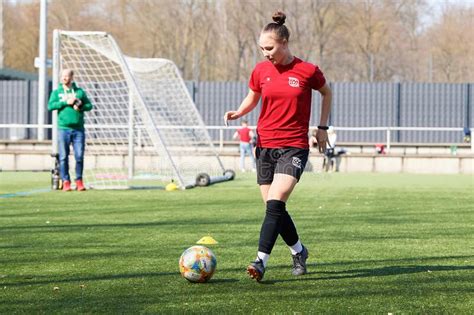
[323,127]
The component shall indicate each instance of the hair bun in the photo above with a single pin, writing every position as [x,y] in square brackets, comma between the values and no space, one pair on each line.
[279,17]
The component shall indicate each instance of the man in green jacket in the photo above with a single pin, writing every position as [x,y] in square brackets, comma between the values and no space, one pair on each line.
[71,102]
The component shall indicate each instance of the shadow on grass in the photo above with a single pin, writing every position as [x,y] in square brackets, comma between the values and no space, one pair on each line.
[69,227]
[390,271]
[369,272]
[429,258]
[31,279]
[374,272]
[351,273]
[53,280]
[317,266]
[212,281]
[75,252]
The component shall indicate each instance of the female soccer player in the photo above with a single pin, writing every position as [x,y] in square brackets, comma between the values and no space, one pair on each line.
[284,83]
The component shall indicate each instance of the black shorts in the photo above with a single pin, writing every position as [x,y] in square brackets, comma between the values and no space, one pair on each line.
[290,161]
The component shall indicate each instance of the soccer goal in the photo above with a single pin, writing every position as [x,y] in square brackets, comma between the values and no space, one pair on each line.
[145,129]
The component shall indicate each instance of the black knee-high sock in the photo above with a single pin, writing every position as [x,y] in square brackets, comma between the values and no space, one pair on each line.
[288,230]
[271,225]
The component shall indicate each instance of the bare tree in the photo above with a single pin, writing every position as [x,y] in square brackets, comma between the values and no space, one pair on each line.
[21,43]
[453,45]
[326,21]
[363,40]
[1,34]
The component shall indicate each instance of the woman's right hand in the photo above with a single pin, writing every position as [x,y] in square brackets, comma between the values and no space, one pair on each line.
[230,115]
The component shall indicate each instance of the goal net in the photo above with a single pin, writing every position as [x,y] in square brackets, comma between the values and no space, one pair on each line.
[144,125]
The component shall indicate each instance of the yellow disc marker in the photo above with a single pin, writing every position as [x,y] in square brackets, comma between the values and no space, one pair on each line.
[207,240]
[171,187]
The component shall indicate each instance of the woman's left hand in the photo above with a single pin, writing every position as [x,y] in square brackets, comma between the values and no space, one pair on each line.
[322,137]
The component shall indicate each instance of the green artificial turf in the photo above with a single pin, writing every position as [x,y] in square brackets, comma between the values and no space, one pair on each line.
[379,244]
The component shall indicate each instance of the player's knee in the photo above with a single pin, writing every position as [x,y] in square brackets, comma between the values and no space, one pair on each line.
[276,208]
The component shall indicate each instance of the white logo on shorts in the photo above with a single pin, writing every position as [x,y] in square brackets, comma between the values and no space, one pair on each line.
[294,82]
[296,162]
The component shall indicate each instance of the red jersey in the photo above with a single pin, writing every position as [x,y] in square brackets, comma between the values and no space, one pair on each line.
[286,102]
[244,134]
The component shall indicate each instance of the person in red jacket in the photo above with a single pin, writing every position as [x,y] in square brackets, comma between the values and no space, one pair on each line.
[284,83]
[245,135]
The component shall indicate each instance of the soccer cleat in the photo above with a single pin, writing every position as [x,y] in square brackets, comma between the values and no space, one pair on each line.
[67,185]
[299,262]
[80,185]
[256,270]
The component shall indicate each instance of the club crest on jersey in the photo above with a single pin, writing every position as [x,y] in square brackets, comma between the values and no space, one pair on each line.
[296,162]
[293,82]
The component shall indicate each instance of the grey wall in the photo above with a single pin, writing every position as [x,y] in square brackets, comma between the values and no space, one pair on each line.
[15,100]
[354,105]
[432,105]
[364,105]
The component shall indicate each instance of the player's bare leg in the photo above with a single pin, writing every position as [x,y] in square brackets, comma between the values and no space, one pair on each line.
[281,187]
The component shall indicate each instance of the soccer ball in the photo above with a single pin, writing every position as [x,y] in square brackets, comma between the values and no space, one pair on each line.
[197,264]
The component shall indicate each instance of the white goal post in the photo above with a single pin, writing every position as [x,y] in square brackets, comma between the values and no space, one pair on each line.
[144,124]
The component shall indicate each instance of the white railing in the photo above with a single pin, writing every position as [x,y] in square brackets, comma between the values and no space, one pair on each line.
[388,130]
